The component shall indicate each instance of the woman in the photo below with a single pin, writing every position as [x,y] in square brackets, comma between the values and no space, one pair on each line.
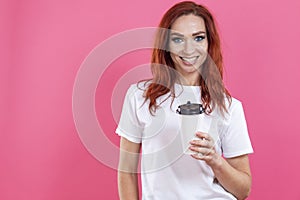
[186,63]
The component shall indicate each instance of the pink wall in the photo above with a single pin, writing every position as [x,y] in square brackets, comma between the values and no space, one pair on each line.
[43,44]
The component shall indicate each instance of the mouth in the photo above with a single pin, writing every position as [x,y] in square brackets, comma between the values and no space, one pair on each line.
[189,60]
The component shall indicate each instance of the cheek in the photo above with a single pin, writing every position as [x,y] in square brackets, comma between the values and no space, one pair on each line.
[175,48]
[203,47]
[206,46]
[174,57]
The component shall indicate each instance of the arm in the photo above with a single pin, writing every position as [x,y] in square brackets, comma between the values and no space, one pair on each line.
[127,174]
[232,173]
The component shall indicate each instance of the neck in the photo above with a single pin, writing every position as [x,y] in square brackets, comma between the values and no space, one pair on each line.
[191,80]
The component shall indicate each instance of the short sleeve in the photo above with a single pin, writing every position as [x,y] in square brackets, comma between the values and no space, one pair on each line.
[235,138]
[129,125]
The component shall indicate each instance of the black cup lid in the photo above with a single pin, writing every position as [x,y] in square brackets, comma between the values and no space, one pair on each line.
[190,109]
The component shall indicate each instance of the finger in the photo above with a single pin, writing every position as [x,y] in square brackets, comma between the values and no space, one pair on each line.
[197,156]
[205,136]
[200,156]
[201,150]
[202,143]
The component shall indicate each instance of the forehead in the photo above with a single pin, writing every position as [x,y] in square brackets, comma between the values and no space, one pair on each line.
[188,24]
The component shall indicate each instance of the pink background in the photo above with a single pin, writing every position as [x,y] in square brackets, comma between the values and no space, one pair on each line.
[43,44]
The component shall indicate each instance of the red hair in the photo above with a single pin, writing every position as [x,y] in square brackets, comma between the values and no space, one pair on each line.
[213,91]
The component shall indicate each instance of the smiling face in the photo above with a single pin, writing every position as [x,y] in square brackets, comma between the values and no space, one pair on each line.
[188,46]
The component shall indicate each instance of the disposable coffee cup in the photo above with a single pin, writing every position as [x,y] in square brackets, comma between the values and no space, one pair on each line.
[190,114]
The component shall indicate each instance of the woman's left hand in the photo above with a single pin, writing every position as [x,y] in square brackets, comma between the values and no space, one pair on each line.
[205,149]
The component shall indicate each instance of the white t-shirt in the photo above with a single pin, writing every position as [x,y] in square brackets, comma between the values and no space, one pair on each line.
[168,173]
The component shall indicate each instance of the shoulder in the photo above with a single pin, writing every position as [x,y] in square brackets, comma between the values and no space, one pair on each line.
[234,104]
[234,110]
[138,88]
[233,107]
[136,92]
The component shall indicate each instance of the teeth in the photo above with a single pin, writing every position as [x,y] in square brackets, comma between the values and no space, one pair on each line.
[190,60]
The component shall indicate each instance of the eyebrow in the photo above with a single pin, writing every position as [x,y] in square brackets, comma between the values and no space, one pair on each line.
[197,33]
[194,34]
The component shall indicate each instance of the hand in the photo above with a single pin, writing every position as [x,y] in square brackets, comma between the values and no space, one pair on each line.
[205,149]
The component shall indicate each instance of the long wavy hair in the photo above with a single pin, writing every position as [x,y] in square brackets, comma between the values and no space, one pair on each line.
[213,92]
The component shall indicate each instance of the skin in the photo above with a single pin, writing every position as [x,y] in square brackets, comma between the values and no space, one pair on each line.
[188,46]
[127,174]
[232,173]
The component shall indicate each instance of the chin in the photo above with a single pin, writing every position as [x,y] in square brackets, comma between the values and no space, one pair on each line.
[184,70]
[190,68]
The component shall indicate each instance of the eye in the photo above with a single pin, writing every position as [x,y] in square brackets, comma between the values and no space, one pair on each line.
[199,38]
[177,40]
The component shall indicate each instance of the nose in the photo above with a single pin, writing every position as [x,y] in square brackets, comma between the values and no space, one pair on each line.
[189,47]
